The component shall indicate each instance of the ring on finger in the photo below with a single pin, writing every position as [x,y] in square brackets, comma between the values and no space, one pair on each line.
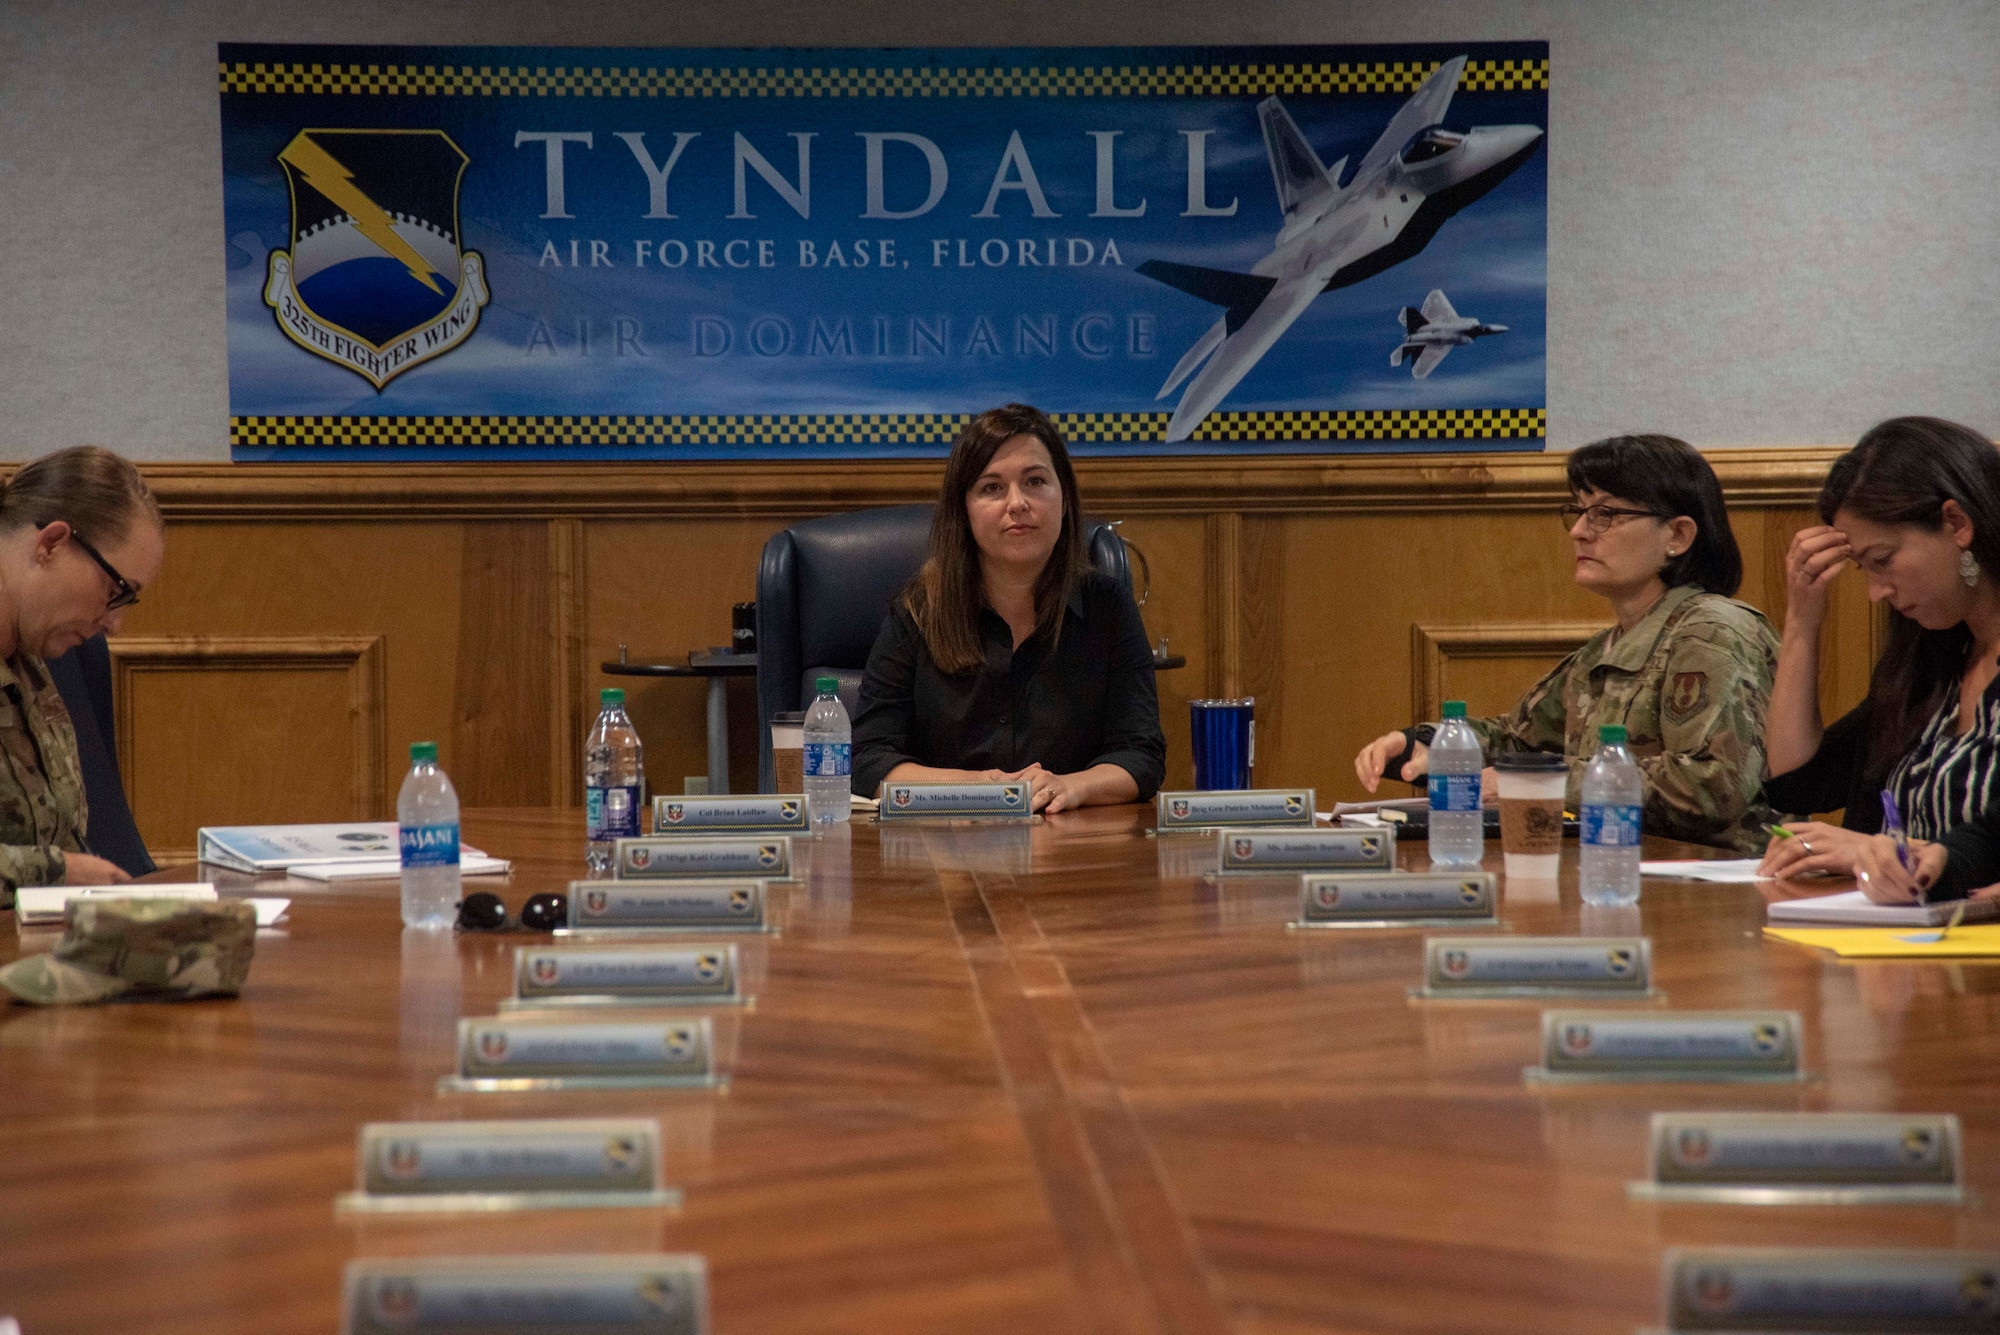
[1807,847]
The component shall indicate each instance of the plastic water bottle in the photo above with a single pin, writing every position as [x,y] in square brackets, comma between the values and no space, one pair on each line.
[1613,793]
[1458,828]
[427,812]
[829,762]
[614,772]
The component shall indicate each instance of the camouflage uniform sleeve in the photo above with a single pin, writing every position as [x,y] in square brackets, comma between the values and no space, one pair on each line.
[29,864]
[1536,724]
[1714,692]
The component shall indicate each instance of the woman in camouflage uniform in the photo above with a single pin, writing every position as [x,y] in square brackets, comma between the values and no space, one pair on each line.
[1687,669]
[80,536]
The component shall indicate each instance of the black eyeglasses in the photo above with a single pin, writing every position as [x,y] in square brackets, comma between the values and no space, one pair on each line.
[122,592]
[1601,517]
[484,911]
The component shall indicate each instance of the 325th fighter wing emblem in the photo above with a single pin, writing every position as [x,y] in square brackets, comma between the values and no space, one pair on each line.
[375,279]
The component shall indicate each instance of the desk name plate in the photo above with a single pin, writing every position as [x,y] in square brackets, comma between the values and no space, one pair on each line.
[1583,1046]
[577,1295]
[1248,807]
[1397,899]
[1811,1158]
[625,976]
[722,814]
[1263,852]
[955,801]
[1830,1289]
[695,857]
[574,1163]
[673,906]
[1536,966]
[500,1054]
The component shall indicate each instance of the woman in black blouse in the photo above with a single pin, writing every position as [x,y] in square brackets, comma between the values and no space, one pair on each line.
[1916,506]
[1007,657]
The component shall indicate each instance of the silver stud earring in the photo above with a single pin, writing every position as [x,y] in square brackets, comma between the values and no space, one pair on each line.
[1968,568]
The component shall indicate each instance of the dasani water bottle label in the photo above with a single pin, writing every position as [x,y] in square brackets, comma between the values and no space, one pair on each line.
[1610,826]
[430,845]
[1454,792]
[829,759]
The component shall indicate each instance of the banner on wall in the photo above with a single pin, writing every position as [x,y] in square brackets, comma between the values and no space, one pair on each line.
[533,253]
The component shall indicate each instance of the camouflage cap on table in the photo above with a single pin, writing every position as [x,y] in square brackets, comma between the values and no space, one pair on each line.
[167,948]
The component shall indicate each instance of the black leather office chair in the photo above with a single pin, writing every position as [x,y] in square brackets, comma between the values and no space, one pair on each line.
[83,679]
[823,588]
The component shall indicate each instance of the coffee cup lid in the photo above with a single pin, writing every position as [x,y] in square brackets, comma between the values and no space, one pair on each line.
[1530,762]
[794,716]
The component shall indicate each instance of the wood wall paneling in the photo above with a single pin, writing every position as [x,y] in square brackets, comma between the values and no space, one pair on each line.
[210,731]
[494,592]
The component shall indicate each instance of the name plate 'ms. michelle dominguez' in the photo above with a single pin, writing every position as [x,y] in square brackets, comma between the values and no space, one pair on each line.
[572,1163]
[1371,899]
[1680,1045]
[498,1055]
[954,801]
[1537,966]
[1812,1158]
[577,1295]
[1242,808]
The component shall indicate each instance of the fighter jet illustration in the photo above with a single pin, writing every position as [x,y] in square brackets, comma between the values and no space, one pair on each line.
[1416,176]
[1430,333]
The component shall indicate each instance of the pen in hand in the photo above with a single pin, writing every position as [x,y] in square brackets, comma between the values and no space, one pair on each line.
[1892,825]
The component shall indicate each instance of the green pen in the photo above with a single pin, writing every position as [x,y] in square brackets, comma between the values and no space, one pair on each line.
[1781,831]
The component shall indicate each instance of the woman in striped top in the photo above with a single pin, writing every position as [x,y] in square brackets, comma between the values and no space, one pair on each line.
[1916,506]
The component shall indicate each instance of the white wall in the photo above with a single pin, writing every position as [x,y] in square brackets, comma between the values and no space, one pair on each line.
[1770,221]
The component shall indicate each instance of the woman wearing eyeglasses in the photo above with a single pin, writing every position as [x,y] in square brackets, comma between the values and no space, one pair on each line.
[80,536]
[1687,669]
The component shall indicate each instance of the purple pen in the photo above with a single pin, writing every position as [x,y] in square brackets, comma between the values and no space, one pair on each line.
[1892,825]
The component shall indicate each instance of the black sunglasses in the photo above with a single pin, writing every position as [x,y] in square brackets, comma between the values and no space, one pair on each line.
[484,911]
[122,592]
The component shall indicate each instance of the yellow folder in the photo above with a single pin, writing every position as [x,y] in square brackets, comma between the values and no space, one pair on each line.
[1982,939]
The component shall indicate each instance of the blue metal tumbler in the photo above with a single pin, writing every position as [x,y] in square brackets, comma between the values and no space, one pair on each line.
[1224,733]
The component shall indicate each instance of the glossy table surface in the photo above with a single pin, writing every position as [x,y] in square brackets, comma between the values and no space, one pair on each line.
[1032,1079]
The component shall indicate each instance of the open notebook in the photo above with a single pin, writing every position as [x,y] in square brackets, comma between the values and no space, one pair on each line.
[1855,909]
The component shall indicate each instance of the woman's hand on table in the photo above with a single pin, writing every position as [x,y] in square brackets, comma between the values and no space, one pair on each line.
[89,869]
[1377,754]
[1814,849]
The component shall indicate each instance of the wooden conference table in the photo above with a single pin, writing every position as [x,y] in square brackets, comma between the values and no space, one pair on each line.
[1040,1079]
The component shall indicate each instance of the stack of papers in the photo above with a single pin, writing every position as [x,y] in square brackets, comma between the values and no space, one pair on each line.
[1856,908]
[38,904]
[1722,871]
[360,851]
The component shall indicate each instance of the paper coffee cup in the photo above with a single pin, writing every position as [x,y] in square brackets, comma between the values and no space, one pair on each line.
[1532,787]
[788,753]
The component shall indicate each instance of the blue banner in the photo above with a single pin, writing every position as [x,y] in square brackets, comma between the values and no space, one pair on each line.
[483,252]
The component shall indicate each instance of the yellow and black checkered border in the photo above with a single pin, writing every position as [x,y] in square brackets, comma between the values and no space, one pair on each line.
[933,429]
[1480,76]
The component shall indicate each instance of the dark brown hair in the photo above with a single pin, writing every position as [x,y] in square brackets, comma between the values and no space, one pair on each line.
[1901,473]
[947,593]
[94,491]
[1670,478]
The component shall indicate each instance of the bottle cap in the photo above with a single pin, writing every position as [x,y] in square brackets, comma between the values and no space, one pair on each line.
[827,685]
[423,753]
[611,697]
[1611,734]
[1454,709]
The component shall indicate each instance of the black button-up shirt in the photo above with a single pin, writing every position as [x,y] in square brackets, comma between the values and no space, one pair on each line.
[1089,701]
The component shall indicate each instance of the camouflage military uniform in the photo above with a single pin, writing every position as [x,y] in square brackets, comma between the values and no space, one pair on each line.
[42,808]
[171,949]
[1691,683]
